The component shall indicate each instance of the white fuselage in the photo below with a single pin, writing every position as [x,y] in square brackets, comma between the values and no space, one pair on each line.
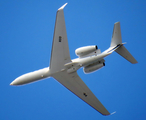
[46,72]
[63,69]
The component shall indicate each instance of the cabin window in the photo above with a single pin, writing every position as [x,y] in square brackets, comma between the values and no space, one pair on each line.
[60,38]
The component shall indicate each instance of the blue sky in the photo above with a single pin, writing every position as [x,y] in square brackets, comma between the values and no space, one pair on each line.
[26,33]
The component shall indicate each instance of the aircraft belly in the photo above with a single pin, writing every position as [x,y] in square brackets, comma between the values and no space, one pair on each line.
[32,77]
[89,60]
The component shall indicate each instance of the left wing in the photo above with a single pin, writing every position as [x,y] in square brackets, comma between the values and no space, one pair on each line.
[74,83]
[60,50]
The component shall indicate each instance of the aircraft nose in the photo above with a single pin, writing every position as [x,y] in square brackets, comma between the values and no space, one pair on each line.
[11,83]
[15,82]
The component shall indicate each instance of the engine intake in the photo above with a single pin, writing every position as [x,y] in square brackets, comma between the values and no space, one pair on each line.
[93,67]
[83,51]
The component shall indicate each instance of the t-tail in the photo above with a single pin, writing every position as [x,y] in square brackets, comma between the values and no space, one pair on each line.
[118,46]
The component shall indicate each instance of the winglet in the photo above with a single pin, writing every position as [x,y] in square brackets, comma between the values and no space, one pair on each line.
[62,7]
[113,113]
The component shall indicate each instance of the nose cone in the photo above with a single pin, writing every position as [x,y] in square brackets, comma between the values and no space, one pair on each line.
[31,77]
[15,82]
[11,83]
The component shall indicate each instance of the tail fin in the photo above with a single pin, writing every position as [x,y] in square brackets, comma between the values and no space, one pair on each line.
[116,37]
[117,42]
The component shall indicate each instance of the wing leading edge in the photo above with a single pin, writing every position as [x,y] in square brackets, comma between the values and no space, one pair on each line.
[75,84]
[60,50]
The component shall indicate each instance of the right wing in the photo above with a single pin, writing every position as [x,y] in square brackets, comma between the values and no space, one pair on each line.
[60,50]
[75,84]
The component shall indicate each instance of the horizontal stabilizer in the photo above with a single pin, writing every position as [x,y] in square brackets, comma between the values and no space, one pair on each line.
[126,54]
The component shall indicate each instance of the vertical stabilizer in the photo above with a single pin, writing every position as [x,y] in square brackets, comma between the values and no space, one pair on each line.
[116,37]
[116,42]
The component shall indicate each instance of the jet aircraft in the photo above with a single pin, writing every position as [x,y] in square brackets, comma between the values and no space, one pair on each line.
[64,70]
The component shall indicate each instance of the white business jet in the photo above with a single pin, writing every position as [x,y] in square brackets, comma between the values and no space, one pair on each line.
[64,70]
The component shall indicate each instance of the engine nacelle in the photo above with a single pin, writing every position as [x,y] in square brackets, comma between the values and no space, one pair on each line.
[93,67]
[83,51]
